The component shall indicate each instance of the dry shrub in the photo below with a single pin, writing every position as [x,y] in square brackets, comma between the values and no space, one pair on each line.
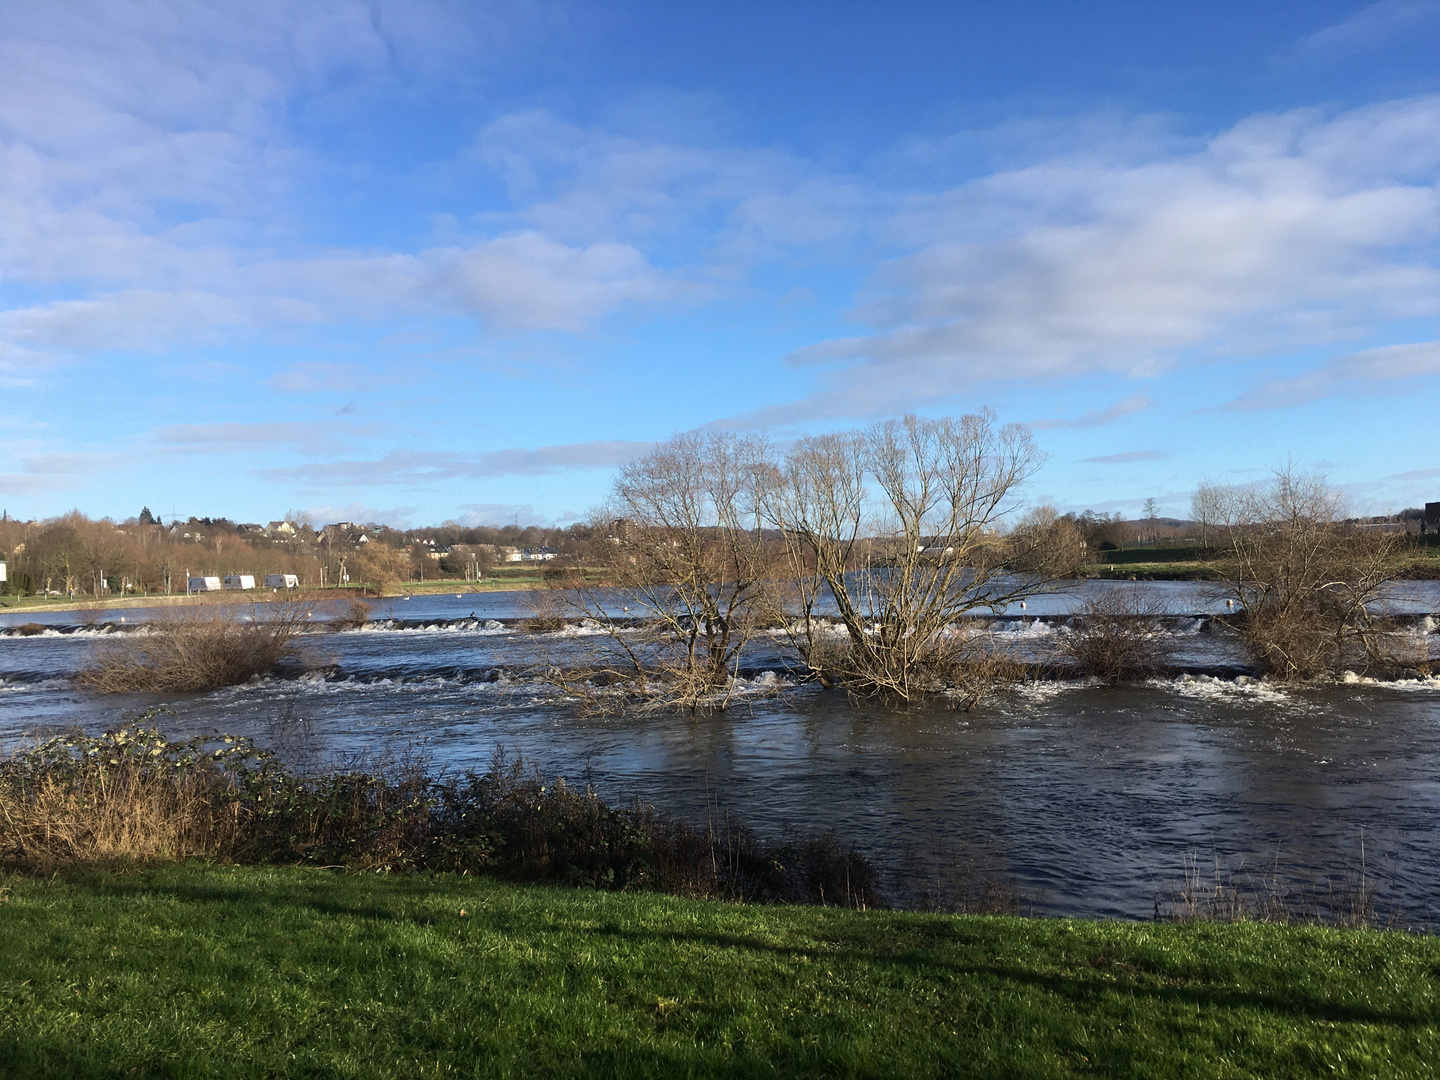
[963,664]
[1302,578]
[30,629]
[201,650]
[547,613]
[350,615]
[131,795]
[127,795]
[1120,637]
[1268,895]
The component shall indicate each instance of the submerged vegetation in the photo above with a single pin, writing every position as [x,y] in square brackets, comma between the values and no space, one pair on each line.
[200,650]
[873,555]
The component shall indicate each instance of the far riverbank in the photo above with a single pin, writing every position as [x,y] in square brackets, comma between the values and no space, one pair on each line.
[347,592]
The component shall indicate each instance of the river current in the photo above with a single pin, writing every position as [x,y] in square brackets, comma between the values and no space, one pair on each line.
[1093,799]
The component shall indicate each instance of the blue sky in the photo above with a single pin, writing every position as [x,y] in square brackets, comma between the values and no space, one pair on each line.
[417,261]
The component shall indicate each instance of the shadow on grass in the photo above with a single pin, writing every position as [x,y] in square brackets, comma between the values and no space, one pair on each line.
[905,950]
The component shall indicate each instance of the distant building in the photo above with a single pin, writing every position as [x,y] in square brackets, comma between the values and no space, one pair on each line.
[1431,525]
[280,528]
[249,527]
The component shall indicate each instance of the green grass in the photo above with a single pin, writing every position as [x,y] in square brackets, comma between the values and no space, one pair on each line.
[222,971]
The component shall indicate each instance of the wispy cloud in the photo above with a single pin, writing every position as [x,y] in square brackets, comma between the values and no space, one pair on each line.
[329,377]
[1286,229]
[429,466]
[398,517]
[1099,417]
[1127,458]
[1361,372]
[1369,28]
[496,514]
[45,472]
[312,438]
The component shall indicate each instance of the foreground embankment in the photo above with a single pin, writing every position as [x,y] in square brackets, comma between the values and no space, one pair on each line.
[209,970]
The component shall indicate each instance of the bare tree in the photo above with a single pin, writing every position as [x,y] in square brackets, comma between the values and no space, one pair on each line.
[1047,543]
[1152,520]
[816,497]
[1207,507]
[679,551]
[1302,578]
[1120,636]
[902,570]
[380,565]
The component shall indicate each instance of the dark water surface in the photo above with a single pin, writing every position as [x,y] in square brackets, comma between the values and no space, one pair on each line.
[1092,797]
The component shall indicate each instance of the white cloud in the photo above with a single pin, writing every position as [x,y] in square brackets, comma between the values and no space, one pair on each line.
[329,377]
[312,438]
[1356,373]
[397,517]
[586,185]
[1283,230]
[41,473]
[152,174]
[1369,28]
[498,514]
[1099,417]
[1127,458]
[411,467]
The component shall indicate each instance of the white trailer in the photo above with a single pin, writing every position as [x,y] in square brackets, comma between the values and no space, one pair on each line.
[2,569]
[281,581]
[203,584]
[239,582]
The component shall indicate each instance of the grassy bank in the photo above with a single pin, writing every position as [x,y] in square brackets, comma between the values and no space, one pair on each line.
[201,970]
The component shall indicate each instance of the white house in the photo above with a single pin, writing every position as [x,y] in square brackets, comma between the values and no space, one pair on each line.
[239,582]
[281,581]
[203,584]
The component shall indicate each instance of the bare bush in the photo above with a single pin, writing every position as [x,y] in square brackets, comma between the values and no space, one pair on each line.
[1120,637]
[349,615]
[1301,577]
[1047,543]
[201,650]
[901,576]
[130,795]
[679,551]
[126,795]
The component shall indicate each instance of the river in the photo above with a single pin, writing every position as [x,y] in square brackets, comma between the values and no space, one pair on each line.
[1092,799]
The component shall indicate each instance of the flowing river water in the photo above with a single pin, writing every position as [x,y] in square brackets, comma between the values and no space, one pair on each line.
[1093,799]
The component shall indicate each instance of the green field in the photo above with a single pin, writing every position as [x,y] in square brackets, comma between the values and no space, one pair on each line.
[199,970]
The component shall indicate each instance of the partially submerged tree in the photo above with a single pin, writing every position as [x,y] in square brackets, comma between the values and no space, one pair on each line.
[674,568]
[1302,578]
[902,569]
[1120,635]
